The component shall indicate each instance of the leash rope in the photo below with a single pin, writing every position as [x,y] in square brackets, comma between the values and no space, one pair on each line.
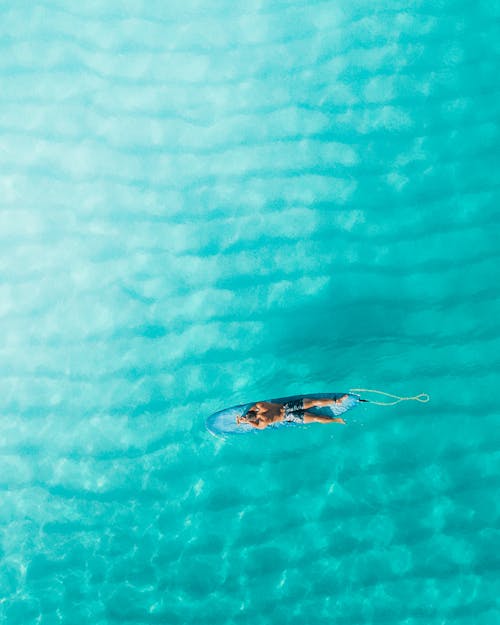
[423,398]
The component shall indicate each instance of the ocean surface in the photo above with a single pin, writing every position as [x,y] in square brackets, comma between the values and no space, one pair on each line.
[209,203]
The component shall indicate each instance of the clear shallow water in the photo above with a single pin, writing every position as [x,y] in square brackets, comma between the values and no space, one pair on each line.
[208,203]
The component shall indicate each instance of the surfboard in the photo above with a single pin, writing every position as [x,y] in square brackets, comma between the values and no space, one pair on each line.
[223,422]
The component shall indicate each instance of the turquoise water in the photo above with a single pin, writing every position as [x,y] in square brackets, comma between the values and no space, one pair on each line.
[209,203]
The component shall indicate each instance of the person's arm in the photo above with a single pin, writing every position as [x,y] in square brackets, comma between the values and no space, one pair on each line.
[260,424]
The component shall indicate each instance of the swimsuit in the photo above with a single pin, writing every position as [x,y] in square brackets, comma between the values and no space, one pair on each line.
[294,411]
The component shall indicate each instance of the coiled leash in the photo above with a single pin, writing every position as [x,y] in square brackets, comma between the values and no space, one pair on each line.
[423,398]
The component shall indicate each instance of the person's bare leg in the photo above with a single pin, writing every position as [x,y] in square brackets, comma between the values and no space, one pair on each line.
[309,417]
[317,403]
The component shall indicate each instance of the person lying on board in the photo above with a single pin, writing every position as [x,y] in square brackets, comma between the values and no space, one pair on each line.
[265,413]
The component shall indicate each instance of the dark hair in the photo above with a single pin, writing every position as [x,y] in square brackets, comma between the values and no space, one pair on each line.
[251,414]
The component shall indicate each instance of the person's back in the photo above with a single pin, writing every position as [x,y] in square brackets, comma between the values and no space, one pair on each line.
[262,414]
